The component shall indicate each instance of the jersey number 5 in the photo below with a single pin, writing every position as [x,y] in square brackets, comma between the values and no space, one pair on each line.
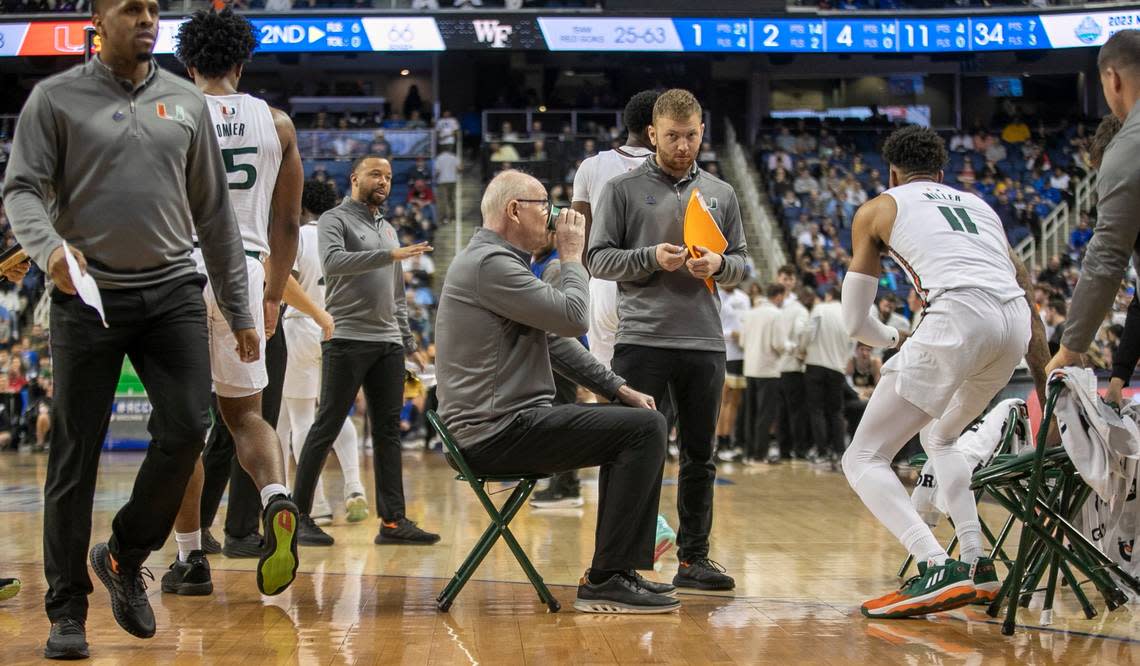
[966,224]
[232,167]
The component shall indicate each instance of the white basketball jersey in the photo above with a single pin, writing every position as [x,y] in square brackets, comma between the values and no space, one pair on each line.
[251,152]
[589,180]
[308,266]
[946,239]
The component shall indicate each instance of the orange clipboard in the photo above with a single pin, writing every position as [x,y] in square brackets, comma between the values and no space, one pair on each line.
[702,230]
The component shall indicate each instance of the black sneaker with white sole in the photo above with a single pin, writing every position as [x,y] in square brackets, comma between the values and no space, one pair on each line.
[622,593]
[703,574]
[67,640]
[129,603]
[190,578]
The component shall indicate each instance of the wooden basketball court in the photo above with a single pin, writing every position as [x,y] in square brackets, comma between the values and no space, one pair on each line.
[803,550]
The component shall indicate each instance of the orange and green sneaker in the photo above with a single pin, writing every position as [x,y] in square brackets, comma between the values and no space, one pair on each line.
[936,588]
[986,581]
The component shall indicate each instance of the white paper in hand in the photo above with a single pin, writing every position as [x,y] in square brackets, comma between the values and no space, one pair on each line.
[84,284]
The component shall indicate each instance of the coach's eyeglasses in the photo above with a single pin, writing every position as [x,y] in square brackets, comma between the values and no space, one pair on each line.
[552,211]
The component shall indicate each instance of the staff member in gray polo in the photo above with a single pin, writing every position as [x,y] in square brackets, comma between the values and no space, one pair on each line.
[364,293]
[669,331]
[117,158]
[501,330]
[1117,234]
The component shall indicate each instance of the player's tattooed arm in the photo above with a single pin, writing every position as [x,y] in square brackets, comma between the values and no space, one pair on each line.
[1038,354]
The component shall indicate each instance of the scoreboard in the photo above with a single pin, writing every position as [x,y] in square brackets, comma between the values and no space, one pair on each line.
[313,33]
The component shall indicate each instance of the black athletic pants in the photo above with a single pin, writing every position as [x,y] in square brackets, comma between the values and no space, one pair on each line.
[162,329]
[794,428]
[696,379]
[764,396]
[825,398]
[348,365]
[628,444]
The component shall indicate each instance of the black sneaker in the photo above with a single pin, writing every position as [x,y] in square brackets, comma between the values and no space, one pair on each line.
[703,574]
[277,567]
[622,593]
[404,531]
[248,546]
[308,534]
[129,602]
[67,640]
[554,498]
[664,589]
[210,545]
[190,578]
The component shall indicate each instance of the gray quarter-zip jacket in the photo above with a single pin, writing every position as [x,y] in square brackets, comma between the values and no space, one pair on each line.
[364,287]
[501,333]
[122,173]
[656,308]
[1115,239]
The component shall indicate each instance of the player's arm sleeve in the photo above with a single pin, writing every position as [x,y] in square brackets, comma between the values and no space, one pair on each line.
[31,177]
[506,287]
[607,256]
[734,268]
[207,191]
[858,295]
[338,261]
[1107,254]
[1128,353]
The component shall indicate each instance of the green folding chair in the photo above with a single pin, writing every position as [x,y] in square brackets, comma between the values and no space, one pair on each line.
[1014,422]
[1043,491]
[500,521]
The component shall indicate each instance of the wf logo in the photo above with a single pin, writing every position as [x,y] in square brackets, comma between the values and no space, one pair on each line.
[493,33]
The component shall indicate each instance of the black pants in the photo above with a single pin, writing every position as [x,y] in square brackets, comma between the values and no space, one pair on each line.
[348,365]
[566,393]
[696,378]
[220,459]
[162,329]
[794,428]
[764,396]
[825,399]
[628,443]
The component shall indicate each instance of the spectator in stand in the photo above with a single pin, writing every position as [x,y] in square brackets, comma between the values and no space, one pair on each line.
[827,144]
[1054,276]
[804,184]
[589,149]
[415,121]
[538,152]
[785,141]
[1056,311]
[380,146]
[1060,180]
[834,181]
[419,171]
[1080,236]
[421,199]
[995,152]
[961,142]
[875,185]
[780,160]
[806,143]
[447,130]
[967,176]
[853,196]
[707,153]
[504,152]
[1016,131]
[780,184]
[982,141]
[446,171]
[826,276]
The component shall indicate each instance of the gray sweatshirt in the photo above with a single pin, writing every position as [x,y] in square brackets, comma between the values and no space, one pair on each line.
[364,287]
[1115,238]
[657,308]
[121,173]
[501,333]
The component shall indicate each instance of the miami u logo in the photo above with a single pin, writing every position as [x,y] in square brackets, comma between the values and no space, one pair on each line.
[165,112]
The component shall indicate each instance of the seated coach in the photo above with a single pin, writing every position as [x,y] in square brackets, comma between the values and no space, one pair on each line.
[500,330]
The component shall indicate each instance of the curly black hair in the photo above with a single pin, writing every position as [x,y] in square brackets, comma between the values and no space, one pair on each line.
[639,111]
[916,150]
[215,42]
[317,197]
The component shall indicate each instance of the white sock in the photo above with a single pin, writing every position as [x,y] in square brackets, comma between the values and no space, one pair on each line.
[187,541]
[271,491]
[970,540]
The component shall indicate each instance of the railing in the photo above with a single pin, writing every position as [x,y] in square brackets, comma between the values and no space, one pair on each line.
[1056,226]
[766,246]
